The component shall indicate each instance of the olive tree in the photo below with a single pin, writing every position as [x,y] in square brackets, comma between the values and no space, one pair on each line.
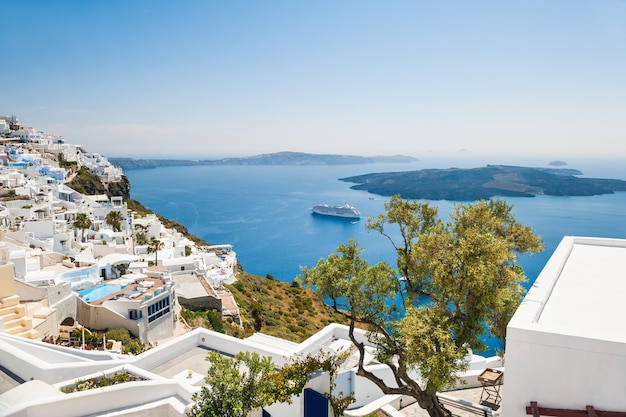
[236,386]
[453,283]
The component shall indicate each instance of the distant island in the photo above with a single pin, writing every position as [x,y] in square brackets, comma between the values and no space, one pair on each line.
[279,158]
[483,183]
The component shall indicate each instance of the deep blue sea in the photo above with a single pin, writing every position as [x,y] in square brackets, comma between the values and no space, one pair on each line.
[264,211]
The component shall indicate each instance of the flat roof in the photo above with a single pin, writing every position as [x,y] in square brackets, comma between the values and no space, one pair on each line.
[580,292]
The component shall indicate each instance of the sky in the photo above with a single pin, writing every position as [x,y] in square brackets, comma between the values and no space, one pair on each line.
[201,78]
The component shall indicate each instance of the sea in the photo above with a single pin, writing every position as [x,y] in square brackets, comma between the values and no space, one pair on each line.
[265,211]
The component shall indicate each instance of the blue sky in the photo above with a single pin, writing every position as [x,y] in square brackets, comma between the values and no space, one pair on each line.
[227,78]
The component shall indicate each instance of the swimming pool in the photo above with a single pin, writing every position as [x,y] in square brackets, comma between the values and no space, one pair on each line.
[98,292]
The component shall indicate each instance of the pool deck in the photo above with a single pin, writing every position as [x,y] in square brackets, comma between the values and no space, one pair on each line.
[129,288]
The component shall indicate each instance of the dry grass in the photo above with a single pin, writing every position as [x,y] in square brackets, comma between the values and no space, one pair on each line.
[280,309]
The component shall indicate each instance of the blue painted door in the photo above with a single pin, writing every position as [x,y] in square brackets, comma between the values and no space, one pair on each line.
[315,404]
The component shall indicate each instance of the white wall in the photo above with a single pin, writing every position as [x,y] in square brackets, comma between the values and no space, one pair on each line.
[565,362]
[40,228]
[561,371]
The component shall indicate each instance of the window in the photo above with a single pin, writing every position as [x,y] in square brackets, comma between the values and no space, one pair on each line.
[158,309]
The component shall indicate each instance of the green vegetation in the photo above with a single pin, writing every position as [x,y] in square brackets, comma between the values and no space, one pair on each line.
[130,344]
[234,387]
[210,319]
[484,183]
[86,182]
[104,381]
[141,238]
[82,222]
[93,339]
[461,281]
[272,307]
[280,309]
[155,246]
[114,219]
[137,207]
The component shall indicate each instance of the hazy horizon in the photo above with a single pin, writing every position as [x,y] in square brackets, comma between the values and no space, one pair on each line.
[526,79]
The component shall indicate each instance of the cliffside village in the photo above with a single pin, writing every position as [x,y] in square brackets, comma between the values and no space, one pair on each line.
[55,276]
[66,261]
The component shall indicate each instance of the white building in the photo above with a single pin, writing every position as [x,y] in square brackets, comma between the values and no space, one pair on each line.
[566,344]
[5,127]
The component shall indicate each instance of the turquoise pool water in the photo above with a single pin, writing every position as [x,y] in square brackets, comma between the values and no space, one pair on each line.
[98,292]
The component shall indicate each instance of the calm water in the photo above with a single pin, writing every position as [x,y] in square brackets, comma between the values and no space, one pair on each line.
[264,211]
[101,291]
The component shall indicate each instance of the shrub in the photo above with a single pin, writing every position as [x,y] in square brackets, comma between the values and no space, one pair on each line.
[105,381]
[215,319]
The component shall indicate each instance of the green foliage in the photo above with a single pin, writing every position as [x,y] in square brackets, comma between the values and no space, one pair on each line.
[187,251]
[155,246]
[210,319]
[104,381]
[71,165]
[130,344]
[114,219]
[216,320]
[82,222]
[460,280]
[292,378]
[268,306]
[235,386]
[141,238]
[137,207]
[86,182]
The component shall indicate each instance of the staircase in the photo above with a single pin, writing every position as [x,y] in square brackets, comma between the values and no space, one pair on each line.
[16,322]
[12,313]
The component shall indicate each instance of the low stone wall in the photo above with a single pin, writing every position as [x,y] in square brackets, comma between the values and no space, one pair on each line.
[201,303]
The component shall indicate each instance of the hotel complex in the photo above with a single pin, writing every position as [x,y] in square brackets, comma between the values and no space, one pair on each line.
[565,347]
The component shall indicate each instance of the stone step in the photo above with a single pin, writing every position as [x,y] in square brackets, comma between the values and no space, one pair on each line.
[18,325]
[43,313]
[13,310]
[29,334]
[11,300]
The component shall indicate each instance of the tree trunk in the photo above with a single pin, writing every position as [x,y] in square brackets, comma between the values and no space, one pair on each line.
[429,402]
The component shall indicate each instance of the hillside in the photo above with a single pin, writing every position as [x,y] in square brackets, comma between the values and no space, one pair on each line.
[279,158]
[280,309]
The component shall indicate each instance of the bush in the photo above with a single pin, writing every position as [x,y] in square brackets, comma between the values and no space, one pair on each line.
[130,344]
[105,381]
[215,319]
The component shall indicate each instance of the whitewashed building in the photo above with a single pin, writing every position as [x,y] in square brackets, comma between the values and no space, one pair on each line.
[566,344]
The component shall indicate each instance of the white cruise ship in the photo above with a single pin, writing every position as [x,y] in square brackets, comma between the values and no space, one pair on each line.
[346,210]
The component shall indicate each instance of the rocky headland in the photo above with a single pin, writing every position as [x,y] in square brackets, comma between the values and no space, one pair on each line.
[482,183]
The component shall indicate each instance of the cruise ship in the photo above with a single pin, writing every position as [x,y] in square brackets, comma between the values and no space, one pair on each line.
[346,210]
